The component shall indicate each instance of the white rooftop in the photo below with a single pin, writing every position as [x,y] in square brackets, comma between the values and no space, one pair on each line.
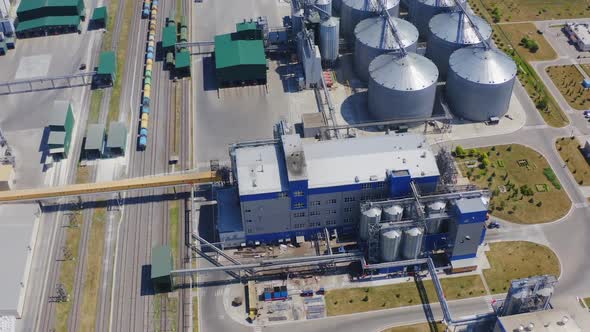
[543,321]
[263,169]
[582,31]
[341,162]
[259,169]
[17,234]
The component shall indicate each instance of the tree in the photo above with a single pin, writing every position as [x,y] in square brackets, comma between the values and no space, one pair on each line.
[533,47]
[459,151]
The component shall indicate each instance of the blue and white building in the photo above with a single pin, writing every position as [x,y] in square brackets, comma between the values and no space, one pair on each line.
[297,187]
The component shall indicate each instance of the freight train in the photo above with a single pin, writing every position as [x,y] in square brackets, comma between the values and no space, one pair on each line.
[147,75]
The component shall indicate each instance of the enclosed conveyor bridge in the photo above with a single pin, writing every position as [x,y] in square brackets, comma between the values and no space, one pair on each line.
[78,190]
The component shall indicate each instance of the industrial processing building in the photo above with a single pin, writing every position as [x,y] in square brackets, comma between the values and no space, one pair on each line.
[60,127]
[240,57]
[579,35]
[294,187]
[41,17]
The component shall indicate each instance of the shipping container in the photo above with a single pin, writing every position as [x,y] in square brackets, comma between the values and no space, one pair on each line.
[142,142]
[143,132]
[145,109]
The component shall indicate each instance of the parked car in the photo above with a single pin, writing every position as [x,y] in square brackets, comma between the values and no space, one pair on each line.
[83,66]
[587,114]
[493,225]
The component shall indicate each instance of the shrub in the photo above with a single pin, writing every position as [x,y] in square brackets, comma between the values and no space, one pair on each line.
[550,175]
[459,151]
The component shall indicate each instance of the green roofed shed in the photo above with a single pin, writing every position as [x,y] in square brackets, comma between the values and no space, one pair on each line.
[239,60]
[72,22]
[107,67]
[169,38]
[245,26]
[161,268]
[117,138]
[100,16]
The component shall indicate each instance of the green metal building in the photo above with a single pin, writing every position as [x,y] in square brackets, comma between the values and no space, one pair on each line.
[116,139]
[61,124]
[161,267]
[239,61]
[183,63]
[247,31]
[100,18]
[169,38]
[94,143]
[107,69]
[39,17]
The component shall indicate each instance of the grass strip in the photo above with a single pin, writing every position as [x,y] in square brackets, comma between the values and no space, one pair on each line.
[67,271]
[94,257]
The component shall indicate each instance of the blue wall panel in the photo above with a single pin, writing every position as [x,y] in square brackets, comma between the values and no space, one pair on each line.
[298,202]
[399,185]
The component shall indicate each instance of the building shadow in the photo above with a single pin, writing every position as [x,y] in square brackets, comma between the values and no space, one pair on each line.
[146,281]
[209,82]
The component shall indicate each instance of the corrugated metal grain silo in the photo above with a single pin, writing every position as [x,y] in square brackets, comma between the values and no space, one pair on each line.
[401,87]
[329,39]
[450,32]
[354,11]
[479,83]
[421,11]
[373,37]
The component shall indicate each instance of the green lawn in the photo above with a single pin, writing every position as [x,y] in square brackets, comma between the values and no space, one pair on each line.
[587,301]
[568,80]
[514,169]
[174,229]
[94,257]
[551,113]
[515,32]
[196,314]
[350,300]
[536,10]
[422,327]
[67,272]
[569,150]
[515,260]
[121,62]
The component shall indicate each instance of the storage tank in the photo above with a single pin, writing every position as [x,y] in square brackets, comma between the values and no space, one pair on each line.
[329,39]
[412,243]
[437,207]
[421,11]
[401,87]
[354,11]
[479,83]
[373,37]
[325,8]
[393,213]
[449,32]
[368,216]
[390,245]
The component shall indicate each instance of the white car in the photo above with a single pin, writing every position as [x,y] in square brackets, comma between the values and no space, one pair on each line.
[587,114]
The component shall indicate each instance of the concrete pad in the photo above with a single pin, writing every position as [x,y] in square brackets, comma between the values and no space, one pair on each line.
[33,66]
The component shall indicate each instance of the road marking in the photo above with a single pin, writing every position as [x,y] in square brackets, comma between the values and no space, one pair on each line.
[535,127]
[581,205]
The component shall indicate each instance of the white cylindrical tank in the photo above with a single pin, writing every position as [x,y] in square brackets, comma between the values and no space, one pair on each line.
[449,32]
[393,213]
[373,37]
[412,244]
[329,39]
[479,83]
[368,216]
[401,88]
[390,245]
[354,11]
[437,207]
[421,11]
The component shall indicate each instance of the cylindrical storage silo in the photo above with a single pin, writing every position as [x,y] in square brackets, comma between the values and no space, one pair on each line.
[297,19]
[324,8]
[479,83]
[450,32]
[436,207]
[373,37]
[421,11]
[354,11]
[368,216]
[329,39]
[390,244]
[392,213]
[401,87]
[412,243]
